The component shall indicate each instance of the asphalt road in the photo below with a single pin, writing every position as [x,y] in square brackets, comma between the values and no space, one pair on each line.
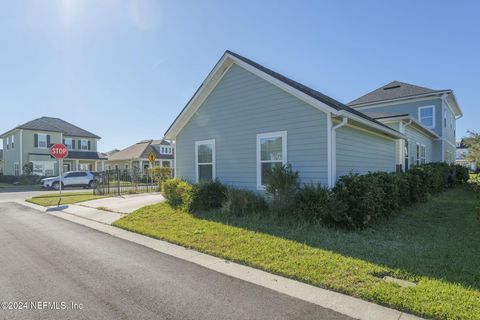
[45,259]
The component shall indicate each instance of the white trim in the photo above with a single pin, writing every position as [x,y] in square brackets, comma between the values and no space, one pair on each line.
[213,163]
[411,120]
[333,173]
[387,130]
[329,150]
[20,144]
[175,158]
[433,115]
[283,135]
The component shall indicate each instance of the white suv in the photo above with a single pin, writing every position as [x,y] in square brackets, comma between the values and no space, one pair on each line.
[86,179]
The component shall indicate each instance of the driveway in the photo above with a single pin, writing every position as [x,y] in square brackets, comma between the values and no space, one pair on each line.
[125,204]
[46,259]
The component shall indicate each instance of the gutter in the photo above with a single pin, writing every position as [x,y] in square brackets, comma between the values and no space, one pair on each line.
[333,156]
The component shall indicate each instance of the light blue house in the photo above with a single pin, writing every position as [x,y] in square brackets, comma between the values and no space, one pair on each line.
[245,119]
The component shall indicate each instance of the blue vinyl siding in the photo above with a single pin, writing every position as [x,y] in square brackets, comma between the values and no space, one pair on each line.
[360,152]
[241,106]
[415,136]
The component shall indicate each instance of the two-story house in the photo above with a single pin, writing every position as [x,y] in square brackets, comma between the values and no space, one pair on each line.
[30,142]
[427,117]
[136,155]
[246,119]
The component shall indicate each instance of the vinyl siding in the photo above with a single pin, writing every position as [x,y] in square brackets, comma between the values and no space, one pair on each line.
[415,136]
[11,156]
[360,152]
[241,106]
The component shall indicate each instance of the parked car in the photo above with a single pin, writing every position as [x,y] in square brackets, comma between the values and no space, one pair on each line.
[86,179]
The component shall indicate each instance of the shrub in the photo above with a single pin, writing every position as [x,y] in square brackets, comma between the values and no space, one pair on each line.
[208,195]
[239,202]
[160,174]
[178,193]
[282,184]
[314,203]
[462,174]
[363,198]
[8,179]
[390,184]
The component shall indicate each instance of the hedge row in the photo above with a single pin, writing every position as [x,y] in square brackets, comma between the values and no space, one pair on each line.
[21,180]
[354,202]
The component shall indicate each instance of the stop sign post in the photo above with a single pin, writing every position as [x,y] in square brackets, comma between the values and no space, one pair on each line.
[59,151]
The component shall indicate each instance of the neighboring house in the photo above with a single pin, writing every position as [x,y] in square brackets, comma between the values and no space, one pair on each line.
[1,161]
[461,157]
[245,119]
[136,156]
[30,142]
[426,116]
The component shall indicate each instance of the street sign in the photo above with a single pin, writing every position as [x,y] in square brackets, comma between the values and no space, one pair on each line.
[59,151]
[152,157]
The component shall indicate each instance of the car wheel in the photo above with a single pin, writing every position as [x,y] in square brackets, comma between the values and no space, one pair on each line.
[55,186]
[92,184]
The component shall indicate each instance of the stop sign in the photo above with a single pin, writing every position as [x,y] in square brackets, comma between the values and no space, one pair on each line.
[59,151]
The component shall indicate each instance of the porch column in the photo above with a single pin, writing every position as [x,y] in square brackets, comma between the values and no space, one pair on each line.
[76,165]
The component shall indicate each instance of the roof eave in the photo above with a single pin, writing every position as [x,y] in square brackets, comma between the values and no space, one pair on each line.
[413,120]
[416,96]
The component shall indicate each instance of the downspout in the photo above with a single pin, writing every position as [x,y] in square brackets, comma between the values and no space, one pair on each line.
[333,177]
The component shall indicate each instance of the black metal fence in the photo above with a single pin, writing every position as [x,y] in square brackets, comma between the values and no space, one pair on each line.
[130,181]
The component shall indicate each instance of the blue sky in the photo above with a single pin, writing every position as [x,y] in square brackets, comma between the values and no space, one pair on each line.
[124,69]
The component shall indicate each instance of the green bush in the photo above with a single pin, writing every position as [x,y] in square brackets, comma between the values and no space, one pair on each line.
[314,203]
[22,180]
[462,174]
[7,179]
[282,185]
[363,197]
[178,193]
[160,174]
[239,202]
[208,195]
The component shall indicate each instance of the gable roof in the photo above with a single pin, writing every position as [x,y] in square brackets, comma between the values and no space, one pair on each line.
[309,95]
[139,150]
[55,125]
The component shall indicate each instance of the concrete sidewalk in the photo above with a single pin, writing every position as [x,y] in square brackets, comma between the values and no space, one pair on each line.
[124,204]
[341,303]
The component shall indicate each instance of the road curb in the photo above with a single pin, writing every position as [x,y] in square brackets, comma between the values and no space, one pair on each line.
[338,302]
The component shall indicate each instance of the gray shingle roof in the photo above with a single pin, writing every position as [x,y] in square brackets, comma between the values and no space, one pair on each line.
[382,115]
[56,125]
[141,150]
[393,90]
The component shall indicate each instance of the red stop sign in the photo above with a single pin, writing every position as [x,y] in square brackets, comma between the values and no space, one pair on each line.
[59,151]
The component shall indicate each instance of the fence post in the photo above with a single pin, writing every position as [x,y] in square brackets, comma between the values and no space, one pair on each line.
[118,181]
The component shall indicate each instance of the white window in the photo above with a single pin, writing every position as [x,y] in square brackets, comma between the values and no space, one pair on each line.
[423,154]
[69,143]
[16,169]
[445,117]
[13,142]
[271,152]
[83,144]
[205,160]
[417,155]
[426,115]
[43,168]
[8,143]
[42,140]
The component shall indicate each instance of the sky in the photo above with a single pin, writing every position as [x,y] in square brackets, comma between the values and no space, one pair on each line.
[123,69]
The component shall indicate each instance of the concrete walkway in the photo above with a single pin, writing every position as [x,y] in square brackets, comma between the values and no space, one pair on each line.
[124,204]
[341,303]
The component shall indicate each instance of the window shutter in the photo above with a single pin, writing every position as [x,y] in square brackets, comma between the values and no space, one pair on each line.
[79,144]
[48,140]
[63,141]
[89,144]
[35,140]
[73,143]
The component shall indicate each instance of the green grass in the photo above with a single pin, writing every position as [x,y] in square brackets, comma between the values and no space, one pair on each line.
[434,244]
[67,198]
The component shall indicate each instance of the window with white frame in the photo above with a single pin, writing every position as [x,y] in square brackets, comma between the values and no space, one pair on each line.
[423,154]
[417,155]
[69,143]
[205,160]
[426,115]
[271,153]
[13,142]
[8,143]
[16,169]
[42,140]
[83,144]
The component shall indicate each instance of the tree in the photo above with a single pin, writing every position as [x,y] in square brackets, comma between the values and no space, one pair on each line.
[28,168]
[472,142]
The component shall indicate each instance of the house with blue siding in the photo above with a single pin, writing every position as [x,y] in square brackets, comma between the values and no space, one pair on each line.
[246,119]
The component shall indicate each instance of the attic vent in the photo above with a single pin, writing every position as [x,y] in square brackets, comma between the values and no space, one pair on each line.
[392,87]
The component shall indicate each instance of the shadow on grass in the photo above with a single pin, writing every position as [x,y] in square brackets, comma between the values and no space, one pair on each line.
[438,239]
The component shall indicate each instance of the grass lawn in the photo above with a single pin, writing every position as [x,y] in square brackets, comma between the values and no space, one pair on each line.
[67,198]
[435,244]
